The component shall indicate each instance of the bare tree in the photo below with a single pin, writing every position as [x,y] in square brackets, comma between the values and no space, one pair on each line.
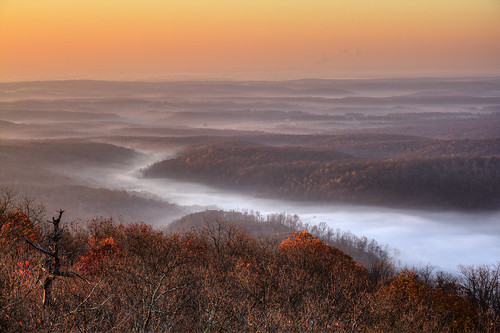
[11,199]
[482,285]
[7,197]
[53,264]
[34,210]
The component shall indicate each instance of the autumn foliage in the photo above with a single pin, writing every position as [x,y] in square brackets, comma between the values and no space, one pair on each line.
[408,303]
[15,225]
[217,278]
[95,261]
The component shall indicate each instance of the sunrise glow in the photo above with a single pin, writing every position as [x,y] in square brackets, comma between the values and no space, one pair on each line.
[148,39]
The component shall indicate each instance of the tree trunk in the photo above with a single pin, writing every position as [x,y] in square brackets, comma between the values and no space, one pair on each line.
[47,290]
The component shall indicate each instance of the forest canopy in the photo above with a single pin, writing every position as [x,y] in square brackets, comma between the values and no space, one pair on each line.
[216,277]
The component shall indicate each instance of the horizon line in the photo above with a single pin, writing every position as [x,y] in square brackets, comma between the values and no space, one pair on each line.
[180,78]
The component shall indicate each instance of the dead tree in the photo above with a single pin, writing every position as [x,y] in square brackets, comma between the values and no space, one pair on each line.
[53,263]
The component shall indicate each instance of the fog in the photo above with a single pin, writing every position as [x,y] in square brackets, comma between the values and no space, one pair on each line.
[155,121]
[415,237]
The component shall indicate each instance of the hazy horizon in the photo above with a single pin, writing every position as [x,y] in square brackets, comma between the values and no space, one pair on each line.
[256,40]
[249,78]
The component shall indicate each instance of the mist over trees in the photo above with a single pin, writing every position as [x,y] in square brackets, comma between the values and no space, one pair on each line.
[137,248]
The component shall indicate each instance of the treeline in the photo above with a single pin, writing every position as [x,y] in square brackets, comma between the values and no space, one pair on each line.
[63,151]
[358,145]
[27,116]
[367,252]
[385,145]
[106,276]
[325,175]
[400,146]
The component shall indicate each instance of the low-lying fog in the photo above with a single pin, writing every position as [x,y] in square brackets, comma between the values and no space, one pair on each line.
[418,238]
[159,115]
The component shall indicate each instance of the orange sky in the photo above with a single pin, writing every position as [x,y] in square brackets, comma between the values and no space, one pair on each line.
[247,39]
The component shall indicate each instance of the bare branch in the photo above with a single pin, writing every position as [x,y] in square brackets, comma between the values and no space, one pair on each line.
[38,247]
[72,274]
[57,220]
[88,296]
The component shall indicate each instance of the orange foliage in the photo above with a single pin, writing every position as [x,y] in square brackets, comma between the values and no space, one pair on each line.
[304,247]
[405,295]
[307,252]
[94,261]
[301,240]
[301,244]
[15,225]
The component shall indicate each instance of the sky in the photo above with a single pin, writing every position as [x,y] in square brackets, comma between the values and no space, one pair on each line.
[247,39]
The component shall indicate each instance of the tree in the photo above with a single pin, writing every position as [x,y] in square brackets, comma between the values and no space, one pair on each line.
[406,304]
[53,268]
[14,226]
[481,285]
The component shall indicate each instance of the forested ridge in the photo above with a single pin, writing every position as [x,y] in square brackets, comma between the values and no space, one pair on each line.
[429,174]
[215,277]
[65,151]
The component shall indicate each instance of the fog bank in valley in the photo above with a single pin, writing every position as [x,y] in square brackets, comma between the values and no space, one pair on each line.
[84,145]
[416,237]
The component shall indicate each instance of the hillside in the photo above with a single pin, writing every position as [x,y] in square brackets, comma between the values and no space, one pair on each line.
[217,278]
[444,180]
